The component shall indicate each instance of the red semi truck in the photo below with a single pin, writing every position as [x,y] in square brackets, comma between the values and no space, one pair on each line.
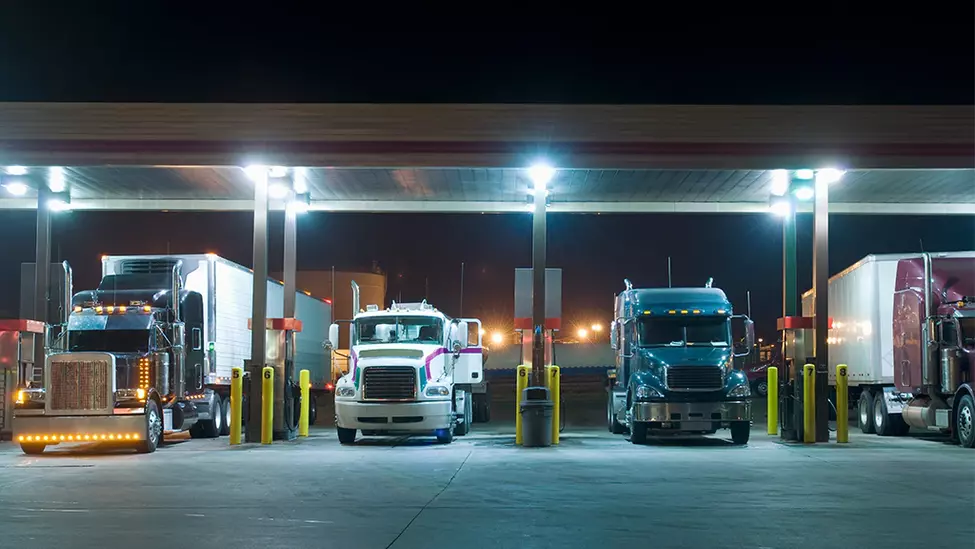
[905,327]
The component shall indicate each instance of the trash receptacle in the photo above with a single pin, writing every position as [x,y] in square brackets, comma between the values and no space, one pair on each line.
[536,417]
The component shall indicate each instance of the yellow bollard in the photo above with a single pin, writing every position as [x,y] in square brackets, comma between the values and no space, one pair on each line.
[842,404]
[267,405]
[809,403]
[521,383]
[773,400]
[236,404]
[304,380]
[554,386]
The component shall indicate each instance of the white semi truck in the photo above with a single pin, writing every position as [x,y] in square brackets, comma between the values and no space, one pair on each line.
[149,352]
[411,368]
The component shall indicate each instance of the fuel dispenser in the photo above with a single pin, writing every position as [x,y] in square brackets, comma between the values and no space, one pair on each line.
[798,345]
[280,354]
[17,365]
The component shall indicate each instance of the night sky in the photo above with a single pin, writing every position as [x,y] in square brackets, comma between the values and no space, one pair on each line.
[211,54]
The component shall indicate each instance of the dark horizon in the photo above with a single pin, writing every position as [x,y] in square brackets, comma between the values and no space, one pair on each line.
[742,252]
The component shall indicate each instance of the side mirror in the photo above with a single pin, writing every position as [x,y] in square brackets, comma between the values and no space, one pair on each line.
[333,337]
[745,347]
[459,337]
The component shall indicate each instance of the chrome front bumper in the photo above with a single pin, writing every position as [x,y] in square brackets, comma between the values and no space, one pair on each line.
[422,416]
[679,412]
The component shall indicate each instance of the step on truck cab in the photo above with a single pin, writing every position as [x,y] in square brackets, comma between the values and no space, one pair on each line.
[411,368]
[674,365]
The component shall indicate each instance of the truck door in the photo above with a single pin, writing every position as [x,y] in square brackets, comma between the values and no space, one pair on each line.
[469,362]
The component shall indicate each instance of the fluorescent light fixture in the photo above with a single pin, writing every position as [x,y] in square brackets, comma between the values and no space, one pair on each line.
[780,182]
[16,170]
[300,204]
[278,171]
[805,193]
[55,179]
[541,173]
[16,188]
[59,203]
[278,191]
[829,175]
[805,174]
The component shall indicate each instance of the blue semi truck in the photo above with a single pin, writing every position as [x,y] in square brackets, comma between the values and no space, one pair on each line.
[674,364]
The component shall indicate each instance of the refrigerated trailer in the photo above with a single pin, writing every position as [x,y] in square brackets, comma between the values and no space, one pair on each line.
[905,327]
[136,364]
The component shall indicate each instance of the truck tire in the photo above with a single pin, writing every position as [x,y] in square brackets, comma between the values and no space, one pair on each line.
[225,406]
[965,421]
[445,436]
[761,388]
[638,433]
[154,429]
[614,426]
[865,412]
[464,426]
[32,448]
[209,428]
[886,424]
[740,431]
[346,436]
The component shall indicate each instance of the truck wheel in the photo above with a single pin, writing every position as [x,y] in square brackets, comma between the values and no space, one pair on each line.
[346,436]
[761,388]
[154,429]
[615,427]
[865,412]
[638,433]
[312,409]
[32,448]
[225,406]
[965,421]
[445,436]
[740,431]
[886,425]
[209,428]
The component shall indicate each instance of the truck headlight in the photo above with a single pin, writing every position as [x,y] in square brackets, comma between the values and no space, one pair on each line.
[645,392]
[740,391]
[24,397]
[437,391]
[345,392]
[130,394]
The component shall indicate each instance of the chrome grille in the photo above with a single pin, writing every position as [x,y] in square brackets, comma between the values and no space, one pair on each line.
[80,385]
[389,383]
[695,378]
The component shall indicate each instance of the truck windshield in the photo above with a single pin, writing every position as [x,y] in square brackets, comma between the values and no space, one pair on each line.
[678,331]
[116,341]
[399,329]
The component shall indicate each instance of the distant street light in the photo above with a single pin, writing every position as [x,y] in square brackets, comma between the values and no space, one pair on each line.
[497,338]
[583,333]
[597,327]
[760,340]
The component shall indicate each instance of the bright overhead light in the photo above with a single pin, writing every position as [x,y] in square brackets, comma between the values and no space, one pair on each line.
[780,182]
[582,333]
[277,171]
[301,180]
[540,174]
[597,327]
[805,193]
[805,174]
[780,207]
[16,170]
[16,188]
[58,205]
[497,338]
[256,172]
[277,191]
[55,179]
[829,175]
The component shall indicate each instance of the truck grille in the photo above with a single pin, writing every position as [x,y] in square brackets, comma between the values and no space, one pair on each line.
[80,385]
[694,378]
[389,383]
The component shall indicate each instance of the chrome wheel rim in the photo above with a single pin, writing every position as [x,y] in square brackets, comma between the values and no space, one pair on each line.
[864,413]
[965,423]
[762,388]
[878,413]
[155,425]
[226,413]
[218,416]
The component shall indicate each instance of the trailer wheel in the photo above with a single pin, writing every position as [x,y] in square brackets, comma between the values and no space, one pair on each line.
[886,424]
[346,436]
[614,426]
[209,428]
[154,429]
[740,431]
[761,387]
[965,421]
[312,409]
[865,412]
[32,448]
[225,406]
